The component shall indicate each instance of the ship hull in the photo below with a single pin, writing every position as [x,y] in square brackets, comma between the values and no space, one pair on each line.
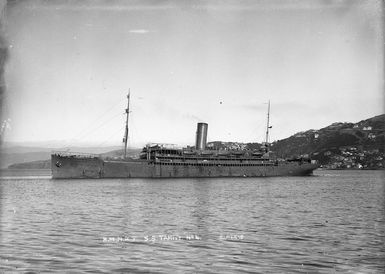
[66,167]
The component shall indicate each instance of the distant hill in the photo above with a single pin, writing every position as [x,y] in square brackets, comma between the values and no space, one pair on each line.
[22,154]
[131,152]
[46,162]
[12,158]
[11,149]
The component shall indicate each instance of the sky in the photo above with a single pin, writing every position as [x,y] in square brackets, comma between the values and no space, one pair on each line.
[70,65]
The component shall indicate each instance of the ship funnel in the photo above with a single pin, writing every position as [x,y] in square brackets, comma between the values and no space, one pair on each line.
[201,137]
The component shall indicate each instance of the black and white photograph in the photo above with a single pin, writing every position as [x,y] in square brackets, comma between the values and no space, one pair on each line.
[192,136]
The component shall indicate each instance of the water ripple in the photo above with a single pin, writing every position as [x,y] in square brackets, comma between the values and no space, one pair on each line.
[332,222]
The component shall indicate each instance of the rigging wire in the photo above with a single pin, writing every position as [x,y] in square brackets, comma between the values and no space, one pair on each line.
[261,134]
[93,123]
[98,127]
[109,137]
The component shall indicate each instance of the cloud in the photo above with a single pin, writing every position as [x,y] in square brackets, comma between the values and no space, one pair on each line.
[97,5]
[139,31]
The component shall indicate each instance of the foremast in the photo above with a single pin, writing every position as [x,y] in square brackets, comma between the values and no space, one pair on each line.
[125,140]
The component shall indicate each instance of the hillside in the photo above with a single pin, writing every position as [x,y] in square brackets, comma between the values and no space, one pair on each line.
[340,145]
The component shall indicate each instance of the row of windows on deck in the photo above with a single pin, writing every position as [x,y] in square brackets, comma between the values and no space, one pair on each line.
[212,164]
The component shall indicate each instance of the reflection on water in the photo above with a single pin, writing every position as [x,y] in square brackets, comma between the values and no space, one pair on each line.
[331,222]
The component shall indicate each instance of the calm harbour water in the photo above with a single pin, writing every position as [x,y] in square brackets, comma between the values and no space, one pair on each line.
[332,222]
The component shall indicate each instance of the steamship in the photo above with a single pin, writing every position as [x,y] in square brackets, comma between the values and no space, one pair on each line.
[167,161]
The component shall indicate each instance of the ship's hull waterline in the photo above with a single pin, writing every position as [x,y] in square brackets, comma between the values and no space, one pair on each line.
[66,167]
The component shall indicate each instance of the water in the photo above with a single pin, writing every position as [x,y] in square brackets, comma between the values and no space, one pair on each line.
[329,223]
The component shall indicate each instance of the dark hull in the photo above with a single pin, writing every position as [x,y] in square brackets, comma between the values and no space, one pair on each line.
[93,167]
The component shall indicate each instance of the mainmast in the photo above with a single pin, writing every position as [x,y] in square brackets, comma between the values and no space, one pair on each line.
[268,125]
[126,131]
